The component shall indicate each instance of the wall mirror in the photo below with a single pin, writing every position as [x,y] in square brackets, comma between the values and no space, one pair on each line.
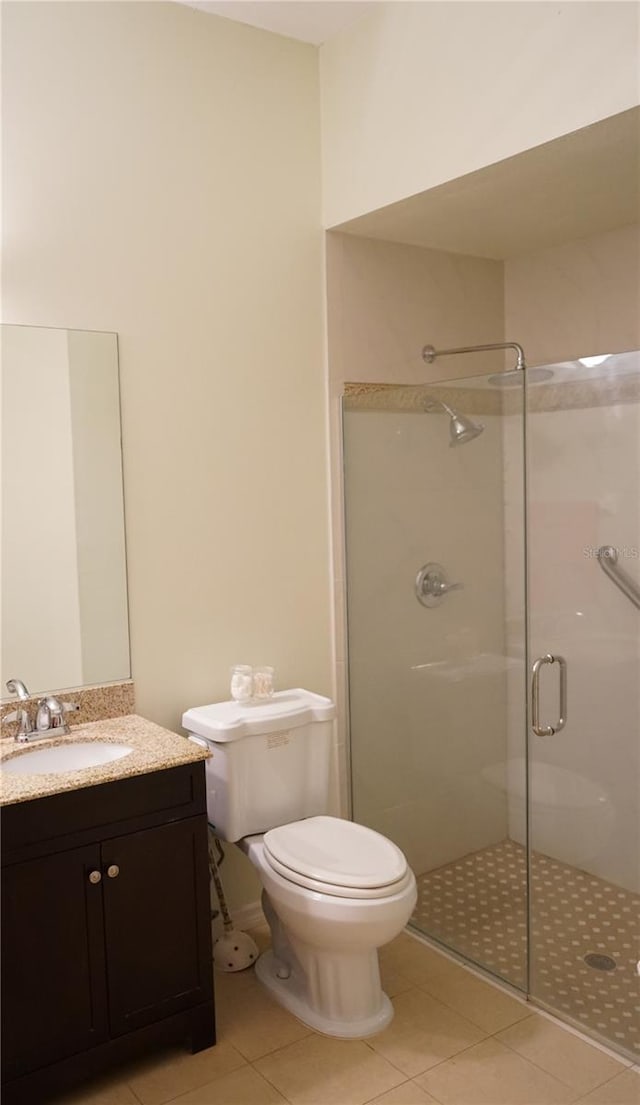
[63,568]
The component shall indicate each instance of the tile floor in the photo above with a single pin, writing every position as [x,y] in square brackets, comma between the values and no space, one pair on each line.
[478,905]
[455,1040]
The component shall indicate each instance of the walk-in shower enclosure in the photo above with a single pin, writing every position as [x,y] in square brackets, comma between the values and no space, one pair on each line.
[494,725]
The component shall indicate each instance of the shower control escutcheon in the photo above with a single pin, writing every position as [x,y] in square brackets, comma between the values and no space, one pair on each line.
[432,585]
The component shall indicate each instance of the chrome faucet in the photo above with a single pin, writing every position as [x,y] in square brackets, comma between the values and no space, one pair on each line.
[23,714]
[45,718]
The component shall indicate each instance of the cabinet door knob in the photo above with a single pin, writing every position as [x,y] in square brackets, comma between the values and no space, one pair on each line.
[113,870]
[95,876]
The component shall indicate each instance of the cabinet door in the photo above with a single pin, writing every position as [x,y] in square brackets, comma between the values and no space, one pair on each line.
[158,924]
[53,969]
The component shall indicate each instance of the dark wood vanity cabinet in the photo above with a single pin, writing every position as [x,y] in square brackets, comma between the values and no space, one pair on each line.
[106,937]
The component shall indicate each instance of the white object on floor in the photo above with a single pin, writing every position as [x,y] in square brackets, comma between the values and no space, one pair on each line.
[234,951]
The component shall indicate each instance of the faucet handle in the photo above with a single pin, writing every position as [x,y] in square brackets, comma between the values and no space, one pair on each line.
[69,708]
[51,714]
[48,714]
[15,715]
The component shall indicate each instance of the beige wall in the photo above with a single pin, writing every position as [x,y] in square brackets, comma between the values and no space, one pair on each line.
[422,93]
[162,180]
[386,301]
[577,299]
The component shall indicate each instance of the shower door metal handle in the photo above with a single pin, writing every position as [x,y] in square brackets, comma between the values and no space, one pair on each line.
[548,730]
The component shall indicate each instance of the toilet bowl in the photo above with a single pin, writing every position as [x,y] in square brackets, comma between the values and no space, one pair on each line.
[323,963]
[333,891]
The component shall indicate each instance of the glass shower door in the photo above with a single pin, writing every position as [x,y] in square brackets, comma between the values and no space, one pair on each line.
[437,676]
[583,437]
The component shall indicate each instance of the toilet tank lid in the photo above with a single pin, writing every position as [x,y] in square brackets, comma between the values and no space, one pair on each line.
[229,721]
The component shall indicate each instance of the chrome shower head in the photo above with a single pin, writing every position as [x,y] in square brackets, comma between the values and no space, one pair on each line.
[461,428]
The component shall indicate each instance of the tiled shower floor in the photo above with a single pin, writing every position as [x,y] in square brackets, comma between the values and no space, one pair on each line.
[477,905]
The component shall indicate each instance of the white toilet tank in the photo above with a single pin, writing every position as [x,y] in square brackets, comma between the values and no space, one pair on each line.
[269,762]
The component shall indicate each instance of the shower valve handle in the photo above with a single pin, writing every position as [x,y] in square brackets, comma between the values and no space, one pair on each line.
[442,588]
[432,585]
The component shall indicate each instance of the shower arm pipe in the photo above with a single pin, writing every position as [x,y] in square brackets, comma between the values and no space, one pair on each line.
[433,404]
[429,353]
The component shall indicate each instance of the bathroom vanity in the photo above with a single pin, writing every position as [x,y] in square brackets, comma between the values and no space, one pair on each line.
[106,932]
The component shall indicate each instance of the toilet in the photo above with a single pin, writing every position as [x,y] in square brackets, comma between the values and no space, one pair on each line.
[333,891]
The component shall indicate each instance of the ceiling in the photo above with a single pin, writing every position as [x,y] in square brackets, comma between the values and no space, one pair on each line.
[587,182]
[311,21]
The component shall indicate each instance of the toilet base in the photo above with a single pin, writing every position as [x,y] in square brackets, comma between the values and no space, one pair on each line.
[289,992]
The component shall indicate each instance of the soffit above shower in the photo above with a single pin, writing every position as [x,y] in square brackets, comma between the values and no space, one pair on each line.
[586,182]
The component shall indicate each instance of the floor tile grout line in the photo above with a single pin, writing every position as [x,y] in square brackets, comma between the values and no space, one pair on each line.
[469,1047]
[466,1017]
[168,1101]
[527,1010]
[488,1036]
[292,1043]
[429,1092]
[389,1061]
[574,1100]
[272,1084]
[400,1084]
[441,1062]
[280,1047]
[601,1086]
[211,1081]
[596,1086]
[130,1087]
[405,1077]
[580,1033]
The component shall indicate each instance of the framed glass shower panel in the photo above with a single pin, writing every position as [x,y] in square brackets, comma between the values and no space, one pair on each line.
[434,509]
[583,431]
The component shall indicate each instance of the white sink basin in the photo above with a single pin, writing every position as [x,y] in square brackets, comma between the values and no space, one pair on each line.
[74,756]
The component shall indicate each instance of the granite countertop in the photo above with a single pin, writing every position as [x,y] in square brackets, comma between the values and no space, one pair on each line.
[154,749]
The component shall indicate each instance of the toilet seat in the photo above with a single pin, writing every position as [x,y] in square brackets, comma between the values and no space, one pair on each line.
[336,857]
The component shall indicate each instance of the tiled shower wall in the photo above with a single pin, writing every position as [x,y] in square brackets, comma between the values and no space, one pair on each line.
[584,492]
[574,300]
[387,300]
[428,685]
